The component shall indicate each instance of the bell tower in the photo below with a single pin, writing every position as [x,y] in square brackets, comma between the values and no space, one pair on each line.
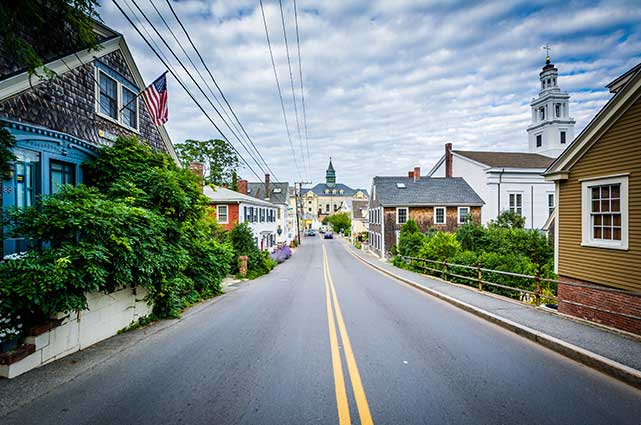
[552,128]
[330,175]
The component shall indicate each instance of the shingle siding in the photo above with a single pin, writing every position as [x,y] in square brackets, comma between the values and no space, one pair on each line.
[67,104]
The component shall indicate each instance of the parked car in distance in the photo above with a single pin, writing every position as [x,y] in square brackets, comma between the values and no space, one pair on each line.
[329,236]
[310,232]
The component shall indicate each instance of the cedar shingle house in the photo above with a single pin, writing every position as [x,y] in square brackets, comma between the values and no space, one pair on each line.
[60,123]
[598,225]
[432,202]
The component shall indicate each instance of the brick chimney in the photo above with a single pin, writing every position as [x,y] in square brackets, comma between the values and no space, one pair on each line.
[242,186]
[198,169]
[410,174]
[448,160]
[267,192]
[417,173]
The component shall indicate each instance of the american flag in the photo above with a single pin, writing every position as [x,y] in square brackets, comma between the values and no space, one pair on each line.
[156,99]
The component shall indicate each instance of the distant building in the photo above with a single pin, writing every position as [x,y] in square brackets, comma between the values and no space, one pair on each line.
[60,123]
[232,208]
[277,194]
[441,203]
[597,227]
[325,199]
[514,180]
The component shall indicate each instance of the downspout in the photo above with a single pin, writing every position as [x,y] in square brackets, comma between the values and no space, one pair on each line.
[499,190]
[531,207]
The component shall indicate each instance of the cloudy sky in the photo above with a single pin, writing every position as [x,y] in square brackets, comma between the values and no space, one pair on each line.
[386,83]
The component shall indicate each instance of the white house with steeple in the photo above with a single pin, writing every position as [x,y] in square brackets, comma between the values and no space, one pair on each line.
[552,128]
[514,180]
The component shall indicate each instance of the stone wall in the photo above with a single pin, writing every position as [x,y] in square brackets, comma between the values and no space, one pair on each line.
[106,315]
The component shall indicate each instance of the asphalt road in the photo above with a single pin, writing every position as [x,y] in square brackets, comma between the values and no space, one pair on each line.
[324,339]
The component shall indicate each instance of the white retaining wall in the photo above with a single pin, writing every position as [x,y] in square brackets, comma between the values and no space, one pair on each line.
[107,314]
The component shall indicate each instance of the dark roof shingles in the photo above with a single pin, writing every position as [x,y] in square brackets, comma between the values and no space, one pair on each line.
[427,191]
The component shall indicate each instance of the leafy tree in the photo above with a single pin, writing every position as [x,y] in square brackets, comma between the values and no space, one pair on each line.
[509,219]
[34,31]
[339,221]
[218,158]
[7,141]
[472,236]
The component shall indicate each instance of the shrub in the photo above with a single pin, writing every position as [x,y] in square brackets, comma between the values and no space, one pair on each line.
[440,247]
[142,223]
[410,240]
[242,240]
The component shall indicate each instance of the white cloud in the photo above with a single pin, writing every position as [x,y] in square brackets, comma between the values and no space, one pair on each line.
[387,83]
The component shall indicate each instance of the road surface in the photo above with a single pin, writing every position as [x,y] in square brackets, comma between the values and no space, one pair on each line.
[324,339]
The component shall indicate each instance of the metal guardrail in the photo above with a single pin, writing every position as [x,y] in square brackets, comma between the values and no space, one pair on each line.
[537,293]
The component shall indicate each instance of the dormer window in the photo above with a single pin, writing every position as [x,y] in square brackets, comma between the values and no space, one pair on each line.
[401,186]
[326,191]
[334,192]
[277,190]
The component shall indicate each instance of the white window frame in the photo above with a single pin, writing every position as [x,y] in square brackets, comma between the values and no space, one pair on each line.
[586,210]
[407,214]
[516,206]
[553,206]
[218,209]
[135,102]
[469,212]
[444,215]
[119,88]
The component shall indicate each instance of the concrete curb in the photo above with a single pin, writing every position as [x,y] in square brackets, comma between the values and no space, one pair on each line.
[602,364]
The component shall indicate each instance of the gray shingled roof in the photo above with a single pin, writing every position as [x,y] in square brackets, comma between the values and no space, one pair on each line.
[257,190]
[221,195]
[508,159]
[427,191]
[319,190]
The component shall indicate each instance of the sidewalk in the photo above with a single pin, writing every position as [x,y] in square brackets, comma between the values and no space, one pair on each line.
[607,351]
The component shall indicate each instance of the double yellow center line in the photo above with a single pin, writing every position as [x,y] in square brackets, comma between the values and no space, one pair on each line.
[337,365]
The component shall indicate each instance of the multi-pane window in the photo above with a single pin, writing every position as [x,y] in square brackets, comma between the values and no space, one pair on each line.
[463,213]
[222,215]
[262,215]
[550,203]
[108,96]
[516,203]
[401,215]
[439,215]
[129,108]
[605,212]
[255,215]
[60,173]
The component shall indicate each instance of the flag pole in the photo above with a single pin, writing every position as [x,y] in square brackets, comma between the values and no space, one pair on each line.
[141,92]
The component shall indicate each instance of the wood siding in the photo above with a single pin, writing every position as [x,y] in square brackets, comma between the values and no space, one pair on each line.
[424,218]
[618,151]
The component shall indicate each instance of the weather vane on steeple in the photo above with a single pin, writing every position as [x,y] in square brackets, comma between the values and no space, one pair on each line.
[547,49]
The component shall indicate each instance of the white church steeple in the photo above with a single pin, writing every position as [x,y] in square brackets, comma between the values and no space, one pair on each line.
[552,128]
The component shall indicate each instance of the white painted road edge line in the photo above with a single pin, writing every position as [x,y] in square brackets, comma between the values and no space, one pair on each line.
[596,361]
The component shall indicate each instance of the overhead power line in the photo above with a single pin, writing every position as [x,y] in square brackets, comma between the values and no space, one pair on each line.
[291,79]
[184,86]
[202,61]
[200,89]
[280,93]
[302,90]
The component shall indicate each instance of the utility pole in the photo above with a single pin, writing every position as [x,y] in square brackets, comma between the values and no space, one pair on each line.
[298,187]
